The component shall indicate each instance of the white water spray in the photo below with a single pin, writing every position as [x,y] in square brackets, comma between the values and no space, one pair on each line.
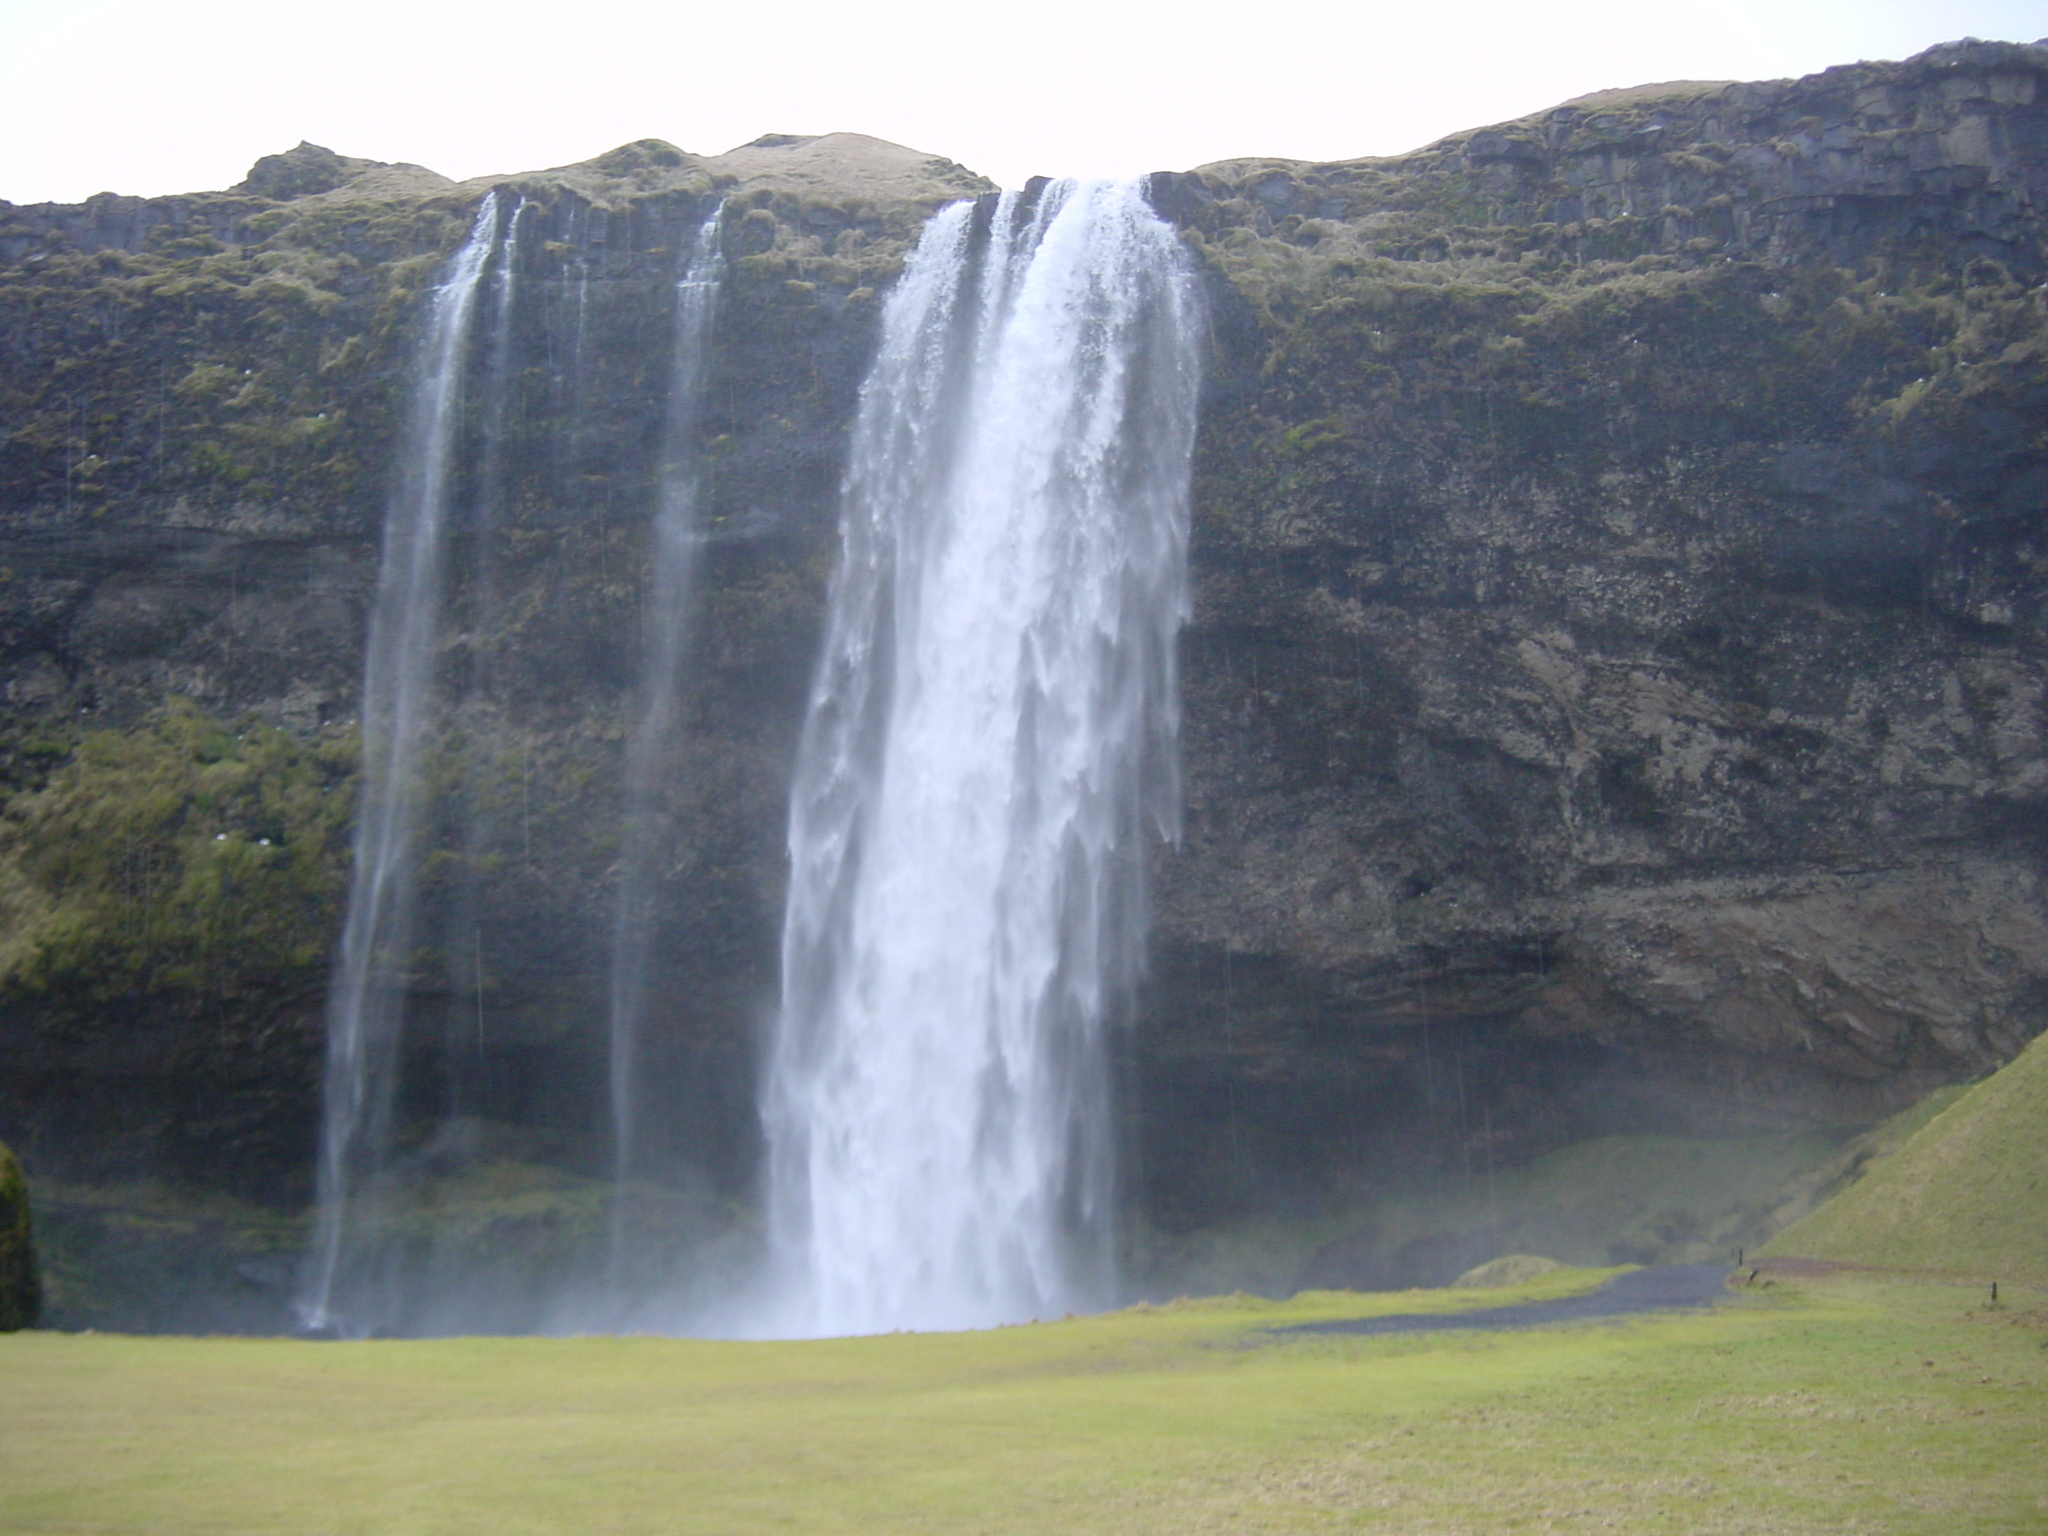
[365,1002]
[991,740]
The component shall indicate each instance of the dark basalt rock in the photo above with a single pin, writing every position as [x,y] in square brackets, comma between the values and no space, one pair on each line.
[21,1289]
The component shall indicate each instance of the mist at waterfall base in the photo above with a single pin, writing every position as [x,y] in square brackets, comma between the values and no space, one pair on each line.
[988,750]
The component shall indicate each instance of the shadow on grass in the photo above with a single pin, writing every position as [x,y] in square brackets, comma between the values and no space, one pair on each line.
[1668,1287]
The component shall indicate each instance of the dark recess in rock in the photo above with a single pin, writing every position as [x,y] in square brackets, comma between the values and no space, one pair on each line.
[21,1290]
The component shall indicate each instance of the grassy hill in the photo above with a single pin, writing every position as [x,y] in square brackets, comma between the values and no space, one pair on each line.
[1968,1191]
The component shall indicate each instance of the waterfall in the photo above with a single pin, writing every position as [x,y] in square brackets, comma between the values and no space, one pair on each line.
[676,541]
[991,741]
[365,994]
[462,937]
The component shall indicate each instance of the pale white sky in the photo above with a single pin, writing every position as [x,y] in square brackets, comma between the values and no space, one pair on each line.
[154,96]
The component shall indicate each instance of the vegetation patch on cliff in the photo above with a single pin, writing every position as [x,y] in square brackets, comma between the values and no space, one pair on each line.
[188,857]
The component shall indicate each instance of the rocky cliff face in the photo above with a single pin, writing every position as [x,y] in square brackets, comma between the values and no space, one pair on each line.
[207,396]
[1619,635]
[1614,699]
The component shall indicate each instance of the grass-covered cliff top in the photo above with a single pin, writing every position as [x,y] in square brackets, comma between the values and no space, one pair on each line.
[1691,171]
[845,164]
[1964,72]
[832,164]
[312,196]
[1928,150]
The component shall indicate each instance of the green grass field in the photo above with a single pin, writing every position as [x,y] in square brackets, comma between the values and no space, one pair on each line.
[1847,1402]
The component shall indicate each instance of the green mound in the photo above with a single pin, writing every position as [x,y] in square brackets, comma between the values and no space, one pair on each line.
[1508,1269]
[20,1290]
[1967,1192]
[304,171]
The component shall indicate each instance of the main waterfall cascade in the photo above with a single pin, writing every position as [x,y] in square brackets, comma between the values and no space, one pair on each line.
[991,743]
[413,1152]
[989,750]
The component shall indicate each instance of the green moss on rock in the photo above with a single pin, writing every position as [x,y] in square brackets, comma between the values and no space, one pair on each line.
[188,856]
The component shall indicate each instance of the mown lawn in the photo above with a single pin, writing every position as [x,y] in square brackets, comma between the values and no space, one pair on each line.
[1846,1403]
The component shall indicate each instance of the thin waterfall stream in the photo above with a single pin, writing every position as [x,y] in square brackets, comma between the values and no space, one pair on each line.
[991,743]
[480,819]
[677,540]
[365,999]
[419,1144]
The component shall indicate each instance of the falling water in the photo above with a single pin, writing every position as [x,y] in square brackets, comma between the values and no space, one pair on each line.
[490,487]
[364,997]
[463,936]
[677,539]
[991,739]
